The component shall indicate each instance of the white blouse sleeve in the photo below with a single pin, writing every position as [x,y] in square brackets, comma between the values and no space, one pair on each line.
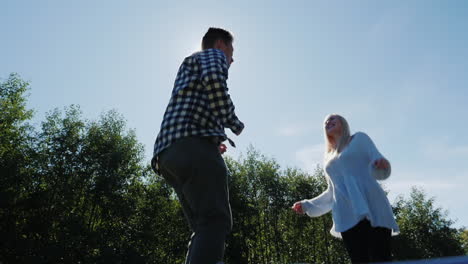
[319,205]
[374,154]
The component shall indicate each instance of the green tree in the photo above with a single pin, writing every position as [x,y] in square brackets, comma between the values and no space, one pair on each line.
[80,191]
[426,232]
[15,145]
[266,230]
[464,240]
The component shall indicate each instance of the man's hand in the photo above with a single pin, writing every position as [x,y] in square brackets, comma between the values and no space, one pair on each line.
[222,148]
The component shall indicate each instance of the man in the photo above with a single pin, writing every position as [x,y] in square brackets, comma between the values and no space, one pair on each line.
[187,151]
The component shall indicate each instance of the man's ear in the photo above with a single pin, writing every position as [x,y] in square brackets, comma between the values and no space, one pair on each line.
[218,44]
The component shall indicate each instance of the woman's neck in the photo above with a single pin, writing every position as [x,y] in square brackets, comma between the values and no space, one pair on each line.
[334,139]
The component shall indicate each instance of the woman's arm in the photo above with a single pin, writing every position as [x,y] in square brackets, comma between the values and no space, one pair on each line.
[379,166]
[317,206]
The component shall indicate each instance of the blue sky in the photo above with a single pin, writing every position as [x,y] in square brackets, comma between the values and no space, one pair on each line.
[396,70]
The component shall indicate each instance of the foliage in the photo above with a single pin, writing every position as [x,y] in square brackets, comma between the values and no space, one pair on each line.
[80,191]
[266,230]
[426,231]
[464,240]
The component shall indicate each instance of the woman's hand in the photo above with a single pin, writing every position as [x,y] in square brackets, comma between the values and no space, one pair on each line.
[381,164]
[297,207]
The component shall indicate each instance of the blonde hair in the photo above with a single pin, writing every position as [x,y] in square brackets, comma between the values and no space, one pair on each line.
[330,149]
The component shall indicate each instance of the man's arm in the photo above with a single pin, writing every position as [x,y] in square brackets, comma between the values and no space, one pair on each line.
[219,100]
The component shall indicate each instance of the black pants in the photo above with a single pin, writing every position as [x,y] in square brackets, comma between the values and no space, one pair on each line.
[195,169]
[365,243]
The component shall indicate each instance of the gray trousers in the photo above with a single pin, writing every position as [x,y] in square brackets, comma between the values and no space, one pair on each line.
[195,169]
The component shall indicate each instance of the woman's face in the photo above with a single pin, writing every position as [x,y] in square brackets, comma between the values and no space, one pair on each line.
[333,126]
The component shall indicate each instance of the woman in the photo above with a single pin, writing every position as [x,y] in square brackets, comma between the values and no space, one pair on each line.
[361,212]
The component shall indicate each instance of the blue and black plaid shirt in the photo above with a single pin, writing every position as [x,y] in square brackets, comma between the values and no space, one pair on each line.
[200,104]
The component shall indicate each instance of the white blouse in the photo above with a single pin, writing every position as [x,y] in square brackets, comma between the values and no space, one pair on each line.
[353,192]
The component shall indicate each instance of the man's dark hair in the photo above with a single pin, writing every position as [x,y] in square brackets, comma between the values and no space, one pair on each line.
[215,34]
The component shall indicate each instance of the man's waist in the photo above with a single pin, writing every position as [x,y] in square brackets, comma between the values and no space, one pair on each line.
[215,139]
[165,140]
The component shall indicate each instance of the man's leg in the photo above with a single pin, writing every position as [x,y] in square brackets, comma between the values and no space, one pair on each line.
[201,177]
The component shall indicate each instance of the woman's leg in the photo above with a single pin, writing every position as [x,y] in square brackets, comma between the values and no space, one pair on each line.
[380,244]
[356,241]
